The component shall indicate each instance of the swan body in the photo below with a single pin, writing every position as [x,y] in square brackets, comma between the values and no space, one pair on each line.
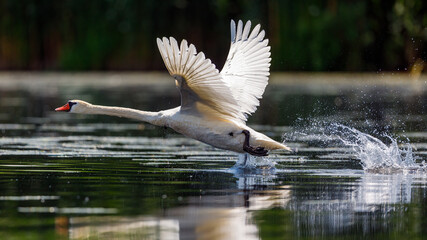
[214,105]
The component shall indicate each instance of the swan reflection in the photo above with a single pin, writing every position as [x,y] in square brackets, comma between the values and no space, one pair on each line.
[227,214]
[239,213]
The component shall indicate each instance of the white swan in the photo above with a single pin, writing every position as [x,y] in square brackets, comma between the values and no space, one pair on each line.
[214,105]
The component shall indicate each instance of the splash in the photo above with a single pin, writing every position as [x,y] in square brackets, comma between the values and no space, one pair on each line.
[249,163]
[374,155]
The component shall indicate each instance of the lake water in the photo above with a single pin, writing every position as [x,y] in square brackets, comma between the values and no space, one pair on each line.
[65,176]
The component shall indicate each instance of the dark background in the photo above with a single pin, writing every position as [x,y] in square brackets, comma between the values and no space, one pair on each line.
[346,35]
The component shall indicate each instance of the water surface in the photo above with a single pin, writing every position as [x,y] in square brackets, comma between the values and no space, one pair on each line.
[97,177]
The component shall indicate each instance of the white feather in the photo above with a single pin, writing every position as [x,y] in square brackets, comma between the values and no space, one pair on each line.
[199,80]
[237,89]
[214,105]
[247,67]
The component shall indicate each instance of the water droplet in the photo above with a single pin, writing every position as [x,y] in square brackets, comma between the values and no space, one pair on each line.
[373,153]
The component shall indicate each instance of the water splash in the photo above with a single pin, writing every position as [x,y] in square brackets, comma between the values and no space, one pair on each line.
[374,155]
[249,163]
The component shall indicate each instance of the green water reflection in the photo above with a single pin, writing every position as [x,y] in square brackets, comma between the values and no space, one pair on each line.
[97,177]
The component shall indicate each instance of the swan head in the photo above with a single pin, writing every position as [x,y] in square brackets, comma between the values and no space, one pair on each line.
[75,106]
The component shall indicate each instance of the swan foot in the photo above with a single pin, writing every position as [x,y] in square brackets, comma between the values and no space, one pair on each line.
[259,151]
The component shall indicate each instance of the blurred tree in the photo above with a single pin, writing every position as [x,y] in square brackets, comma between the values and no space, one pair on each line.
[408,23]
[314,35]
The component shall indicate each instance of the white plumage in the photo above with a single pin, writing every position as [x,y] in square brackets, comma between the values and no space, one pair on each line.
[214,105]
[197,78]
[235,90]
[248,66]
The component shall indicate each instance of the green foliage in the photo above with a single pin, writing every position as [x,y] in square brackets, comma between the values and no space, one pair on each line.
[120,34]
[319,37]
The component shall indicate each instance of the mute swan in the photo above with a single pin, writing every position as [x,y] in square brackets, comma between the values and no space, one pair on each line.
[214,105]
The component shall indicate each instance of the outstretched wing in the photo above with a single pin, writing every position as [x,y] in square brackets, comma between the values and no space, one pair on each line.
[198,79]
[248,65]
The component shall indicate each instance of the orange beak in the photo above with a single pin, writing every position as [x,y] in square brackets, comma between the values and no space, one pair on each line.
[65,108]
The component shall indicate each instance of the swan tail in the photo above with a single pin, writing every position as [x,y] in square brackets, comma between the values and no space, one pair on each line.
[273,145]
[261,140]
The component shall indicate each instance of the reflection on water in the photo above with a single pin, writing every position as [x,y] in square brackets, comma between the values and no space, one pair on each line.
[95,177]
[119,228]
[228,215]
[371,203]
[383,191]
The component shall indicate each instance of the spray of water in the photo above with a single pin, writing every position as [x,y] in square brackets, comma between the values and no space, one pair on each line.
[374,155]
[247,162]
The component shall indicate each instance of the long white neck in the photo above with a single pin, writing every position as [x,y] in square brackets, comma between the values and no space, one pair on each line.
[155,118]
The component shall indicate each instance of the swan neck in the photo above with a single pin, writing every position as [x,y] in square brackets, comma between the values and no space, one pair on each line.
[154,118]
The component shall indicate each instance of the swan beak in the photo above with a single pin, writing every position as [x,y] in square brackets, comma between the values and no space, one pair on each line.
[65,108]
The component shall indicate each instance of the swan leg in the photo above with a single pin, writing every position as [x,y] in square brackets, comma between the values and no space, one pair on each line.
[259,151]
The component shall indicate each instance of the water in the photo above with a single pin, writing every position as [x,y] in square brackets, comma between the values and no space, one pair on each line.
[374,155]
[95,177]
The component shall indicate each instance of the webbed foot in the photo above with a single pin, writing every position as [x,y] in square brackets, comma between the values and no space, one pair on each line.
[259,151]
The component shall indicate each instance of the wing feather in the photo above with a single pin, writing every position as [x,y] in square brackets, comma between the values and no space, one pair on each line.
[255,31]
[239,31]
[198,79]
[246,30]
[247,66]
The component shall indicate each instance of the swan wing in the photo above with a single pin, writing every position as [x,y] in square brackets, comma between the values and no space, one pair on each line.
[247,67]
[197,78]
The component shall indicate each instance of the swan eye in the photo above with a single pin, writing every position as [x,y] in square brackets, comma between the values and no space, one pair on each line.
[231,133]
[71,104]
